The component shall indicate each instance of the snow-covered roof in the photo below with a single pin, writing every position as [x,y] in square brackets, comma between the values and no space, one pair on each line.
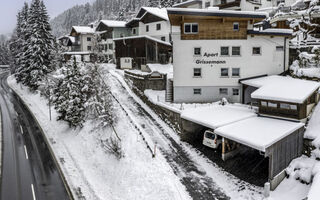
[281,88]
[143,36]
[77,53]
[83,29]
[188,2]
[258,132]
[272,31]
[159,12]
[113,23]
[215,12]
[163,69]
[217,115]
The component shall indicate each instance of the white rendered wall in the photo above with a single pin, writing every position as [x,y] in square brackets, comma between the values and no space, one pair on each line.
[85,43]
[269,62]
[153,32]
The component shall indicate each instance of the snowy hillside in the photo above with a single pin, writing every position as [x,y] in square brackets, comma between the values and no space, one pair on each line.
[88,13]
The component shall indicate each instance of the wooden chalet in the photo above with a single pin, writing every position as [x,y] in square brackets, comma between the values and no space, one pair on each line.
[142,50]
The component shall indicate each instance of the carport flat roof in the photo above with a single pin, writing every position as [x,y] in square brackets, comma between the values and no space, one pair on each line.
[217,115]
[258,132]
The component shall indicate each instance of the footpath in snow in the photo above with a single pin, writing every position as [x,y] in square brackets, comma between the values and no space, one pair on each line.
[94,174]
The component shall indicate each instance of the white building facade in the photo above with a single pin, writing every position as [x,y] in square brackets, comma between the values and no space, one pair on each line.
[152,22]
[207,70]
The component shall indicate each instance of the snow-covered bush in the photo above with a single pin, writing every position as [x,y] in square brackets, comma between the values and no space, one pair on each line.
[113,146]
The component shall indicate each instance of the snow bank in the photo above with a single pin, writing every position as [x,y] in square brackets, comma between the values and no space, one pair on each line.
[313,128]
[97,174]
[311,72]
[158,98]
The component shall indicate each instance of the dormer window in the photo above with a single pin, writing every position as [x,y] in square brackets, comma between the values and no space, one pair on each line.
[236,26]
[147,28]
[191,28]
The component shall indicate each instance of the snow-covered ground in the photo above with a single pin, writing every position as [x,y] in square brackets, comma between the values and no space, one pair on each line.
[157,97]
[95,174]
[99,175]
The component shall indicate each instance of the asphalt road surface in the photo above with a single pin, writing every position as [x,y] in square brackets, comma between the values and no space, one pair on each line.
[28,169]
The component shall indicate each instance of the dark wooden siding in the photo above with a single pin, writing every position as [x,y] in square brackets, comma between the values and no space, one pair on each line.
[142,51]
[284,151]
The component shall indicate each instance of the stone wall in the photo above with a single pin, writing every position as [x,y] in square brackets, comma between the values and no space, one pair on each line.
[144,82]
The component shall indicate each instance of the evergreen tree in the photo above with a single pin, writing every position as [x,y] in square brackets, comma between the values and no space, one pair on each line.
[39,45]
[71,94]
[166,3]
[18,42]
[153,3]
[100,105]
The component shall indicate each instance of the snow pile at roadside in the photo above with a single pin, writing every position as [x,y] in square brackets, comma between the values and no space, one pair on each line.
[158,98]
[95,174]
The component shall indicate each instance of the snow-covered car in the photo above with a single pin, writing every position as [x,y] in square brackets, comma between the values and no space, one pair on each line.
[211,139]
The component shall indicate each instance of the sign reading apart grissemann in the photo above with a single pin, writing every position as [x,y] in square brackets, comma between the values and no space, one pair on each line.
[210,62]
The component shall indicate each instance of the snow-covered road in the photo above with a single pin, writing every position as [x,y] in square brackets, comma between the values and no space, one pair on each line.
[202,178]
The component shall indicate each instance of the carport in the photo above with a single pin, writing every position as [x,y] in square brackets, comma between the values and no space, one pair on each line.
[280,140]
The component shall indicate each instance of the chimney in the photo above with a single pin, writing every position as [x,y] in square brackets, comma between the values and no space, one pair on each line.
[203,4]
[211,3]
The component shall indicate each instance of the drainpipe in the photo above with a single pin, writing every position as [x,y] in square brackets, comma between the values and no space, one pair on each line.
[284,52]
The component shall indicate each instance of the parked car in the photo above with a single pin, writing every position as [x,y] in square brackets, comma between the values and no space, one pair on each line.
[212,140]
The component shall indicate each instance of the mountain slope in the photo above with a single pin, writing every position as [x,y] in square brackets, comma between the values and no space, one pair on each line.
[88,13]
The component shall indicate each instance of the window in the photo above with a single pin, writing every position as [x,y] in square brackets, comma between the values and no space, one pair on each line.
[223,91]
[190,28]
[106,47]
[235,91]
[223,1]
[285,106]
[236,26]
[256,8]
[235,72]
[110,56]
[272,105]
[224,72]
[158,27]
[163,38]
[147,28]
[279,48]
[196,72]
[256,50]
[293,107]
[264,103]
[134,31]
[236,51]
[224,51]
[111,46]
[197,51]
[89,39]
[89,48]
[197,91]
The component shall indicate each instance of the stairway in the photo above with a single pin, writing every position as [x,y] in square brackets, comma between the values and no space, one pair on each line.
[169,90]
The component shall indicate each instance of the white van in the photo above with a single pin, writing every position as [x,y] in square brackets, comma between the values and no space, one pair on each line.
[211,139]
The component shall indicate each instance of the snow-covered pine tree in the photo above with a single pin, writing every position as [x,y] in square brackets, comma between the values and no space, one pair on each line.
[166,3]
[18,42]
[40,44]
[71,94]
[100,105]
[153,3]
